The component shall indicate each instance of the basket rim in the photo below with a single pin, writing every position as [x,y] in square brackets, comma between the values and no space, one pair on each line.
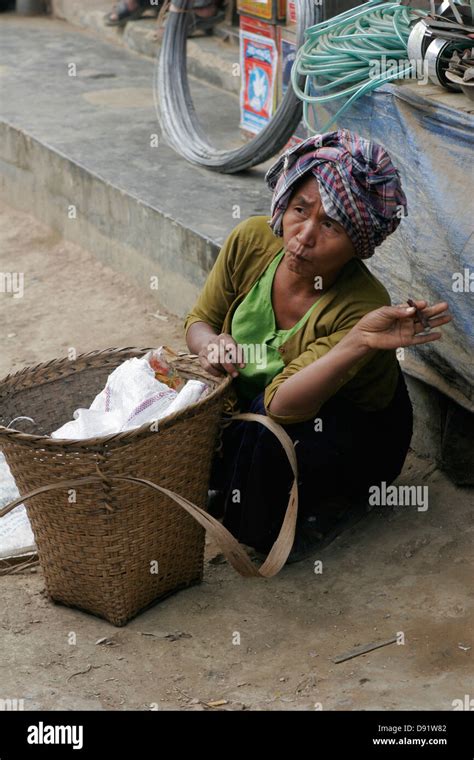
[123,437]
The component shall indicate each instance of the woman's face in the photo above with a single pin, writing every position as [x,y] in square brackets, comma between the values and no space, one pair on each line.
[314,243]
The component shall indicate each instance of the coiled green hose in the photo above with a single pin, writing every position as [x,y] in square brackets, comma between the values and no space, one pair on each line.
[337,57]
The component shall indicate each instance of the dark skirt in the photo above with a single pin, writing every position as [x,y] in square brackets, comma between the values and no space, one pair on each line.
[354,450]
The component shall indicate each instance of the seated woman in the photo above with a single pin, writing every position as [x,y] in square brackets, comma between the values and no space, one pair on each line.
[291,311]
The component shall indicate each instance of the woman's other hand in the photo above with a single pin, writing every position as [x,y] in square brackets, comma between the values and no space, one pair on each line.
[391,327]
[221,354]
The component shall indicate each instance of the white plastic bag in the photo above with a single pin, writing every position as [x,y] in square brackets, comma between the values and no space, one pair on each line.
[132,396]
[189,394]
[16,536]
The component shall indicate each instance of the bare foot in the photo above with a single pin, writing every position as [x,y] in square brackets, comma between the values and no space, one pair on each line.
[209,10]
[132,6]
[206,12]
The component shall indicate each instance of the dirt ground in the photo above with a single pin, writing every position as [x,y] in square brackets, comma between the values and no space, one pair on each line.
[400,571]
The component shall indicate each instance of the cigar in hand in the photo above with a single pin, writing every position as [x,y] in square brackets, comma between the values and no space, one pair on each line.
[424,320]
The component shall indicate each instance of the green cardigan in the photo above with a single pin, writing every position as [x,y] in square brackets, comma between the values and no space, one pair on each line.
[243,258]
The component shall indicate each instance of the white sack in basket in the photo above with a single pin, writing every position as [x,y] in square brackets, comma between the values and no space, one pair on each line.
[132,396]
[16,536]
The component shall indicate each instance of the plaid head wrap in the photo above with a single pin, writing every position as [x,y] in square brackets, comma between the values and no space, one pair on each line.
[359,186]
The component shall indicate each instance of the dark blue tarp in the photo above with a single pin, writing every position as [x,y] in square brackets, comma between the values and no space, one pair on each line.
[429,132]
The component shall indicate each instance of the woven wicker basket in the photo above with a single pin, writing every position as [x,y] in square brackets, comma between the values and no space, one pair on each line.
[110,539]
[111,548]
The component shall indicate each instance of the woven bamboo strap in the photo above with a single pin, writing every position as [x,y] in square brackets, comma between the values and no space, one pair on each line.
[232,550]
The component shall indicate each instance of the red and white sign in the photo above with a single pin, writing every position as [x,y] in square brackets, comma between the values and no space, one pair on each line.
[259,66]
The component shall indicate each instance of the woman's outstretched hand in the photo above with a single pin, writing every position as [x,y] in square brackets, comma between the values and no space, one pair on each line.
[221,354]
[392,327]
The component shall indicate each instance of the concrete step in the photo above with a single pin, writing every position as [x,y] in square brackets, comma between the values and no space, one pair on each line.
[79,153]
[209,58]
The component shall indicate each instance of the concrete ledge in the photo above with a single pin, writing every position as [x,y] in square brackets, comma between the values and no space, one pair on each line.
[457,446]
[91,141]
[120,229]
[442,431]
[208,58]
[429,414]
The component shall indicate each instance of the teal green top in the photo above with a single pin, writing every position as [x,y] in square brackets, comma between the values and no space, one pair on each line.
[254,328]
